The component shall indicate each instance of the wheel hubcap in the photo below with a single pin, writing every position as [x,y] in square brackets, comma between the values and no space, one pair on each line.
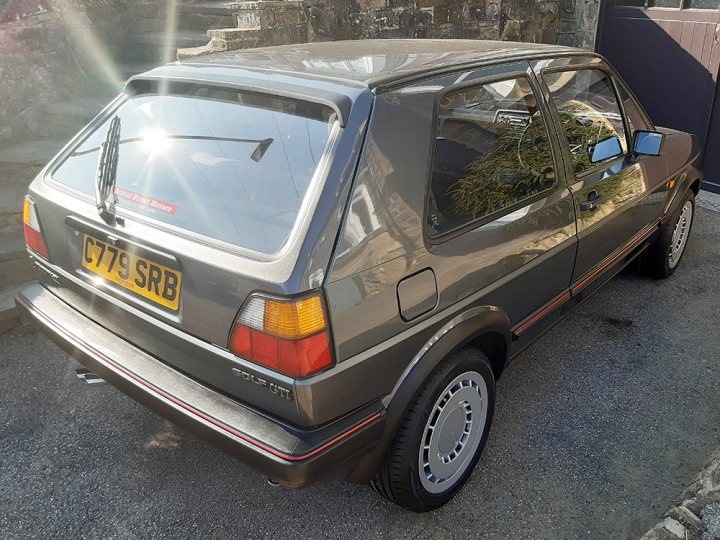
[453,432]
[680,234]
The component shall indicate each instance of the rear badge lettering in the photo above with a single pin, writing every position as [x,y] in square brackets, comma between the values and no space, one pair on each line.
[264,383]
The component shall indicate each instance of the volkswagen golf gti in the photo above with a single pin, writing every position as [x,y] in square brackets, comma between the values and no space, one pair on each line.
[321,257]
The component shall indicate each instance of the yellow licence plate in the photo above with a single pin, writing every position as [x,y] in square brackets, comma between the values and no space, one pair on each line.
[138,274]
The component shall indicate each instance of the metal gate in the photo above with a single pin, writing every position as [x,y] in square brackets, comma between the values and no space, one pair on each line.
[669,52]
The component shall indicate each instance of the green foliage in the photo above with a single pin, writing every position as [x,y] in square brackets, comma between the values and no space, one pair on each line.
[583,132]
[521,163]
[519,166]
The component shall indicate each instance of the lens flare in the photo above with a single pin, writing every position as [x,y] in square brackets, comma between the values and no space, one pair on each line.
[155,141]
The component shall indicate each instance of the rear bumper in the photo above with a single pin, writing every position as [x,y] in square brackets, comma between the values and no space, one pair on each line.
[288,455]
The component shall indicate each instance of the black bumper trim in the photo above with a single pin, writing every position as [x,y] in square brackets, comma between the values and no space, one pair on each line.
[290,468]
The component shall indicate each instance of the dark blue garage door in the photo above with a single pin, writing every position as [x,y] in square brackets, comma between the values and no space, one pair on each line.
[669,52]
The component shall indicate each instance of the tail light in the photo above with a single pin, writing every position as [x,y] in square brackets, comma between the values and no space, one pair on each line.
[31,225]
[289,336]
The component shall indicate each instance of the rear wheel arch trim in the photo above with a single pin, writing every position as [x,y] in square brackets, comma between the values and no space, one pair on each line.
[464,328]
[461,330]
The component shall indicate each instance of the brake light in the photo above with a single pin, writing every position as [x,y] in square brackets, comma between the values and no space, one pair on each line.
[31,226]
[289,336]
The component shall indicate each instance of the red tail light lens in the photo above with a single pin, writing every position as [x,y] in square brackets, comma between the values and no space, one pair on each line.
[31,225]
[286,336]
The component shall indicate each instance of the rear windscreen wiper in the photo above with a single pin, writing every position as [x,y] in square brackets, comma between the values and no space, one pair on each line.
[107,171]
[257,154]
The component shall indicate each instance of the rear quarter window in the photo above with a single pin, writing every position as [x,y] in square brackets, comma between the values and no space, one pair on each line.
[231,165]
[492,154]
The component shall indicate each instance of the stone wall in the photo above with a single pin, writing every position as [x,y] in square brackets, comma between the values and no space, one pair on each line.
[52,50]
[565,22]
[570,22]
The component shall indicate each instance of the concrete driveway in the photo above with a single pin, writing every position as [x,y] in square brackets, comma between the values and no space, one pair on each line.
[599,426]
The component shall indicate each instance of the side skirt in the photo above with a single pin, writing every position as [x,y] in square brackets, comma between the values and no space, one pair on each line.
[539,322]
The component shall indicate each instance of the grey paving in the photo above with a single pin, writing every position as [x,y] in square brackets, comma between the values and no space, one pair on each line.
[709,200]
[600,425]
[14,180]
[34,151]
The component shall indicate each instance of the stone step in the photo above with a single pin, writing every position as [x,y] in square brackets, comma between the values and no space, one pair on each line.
[188,53]
[181,38]
[157,47]
[207,8]
[234,34]
[223,39]
[205,15]
[204,21]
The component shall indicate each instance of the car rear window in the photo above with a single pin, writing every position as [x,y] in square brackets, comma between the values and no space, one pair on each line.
[231,165]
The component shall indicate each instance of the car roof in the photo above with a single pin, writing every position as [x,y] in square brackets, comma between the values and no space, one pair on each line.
[374,62]
[336,73]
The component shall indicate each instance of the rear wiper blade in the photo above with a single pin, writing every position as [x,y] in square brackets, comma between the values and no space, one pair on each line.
[107,171]
[257,154]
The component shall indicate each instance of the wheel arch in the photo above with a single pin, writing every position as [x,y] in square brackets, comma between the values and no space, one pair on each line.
[695,186]
[486,328]
[689,181]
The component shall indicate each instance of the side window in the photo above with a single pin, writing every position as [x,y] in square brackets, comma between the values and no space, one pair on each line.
[491,152]
[635,118]
[590,116]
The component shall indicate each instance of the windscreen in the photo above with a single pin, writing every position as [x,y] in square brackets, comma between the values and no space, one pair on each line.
[231,165]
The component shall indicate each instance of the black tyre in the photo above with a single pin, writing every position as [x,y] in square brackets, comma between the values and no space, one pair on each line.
[663,257]
[442,435]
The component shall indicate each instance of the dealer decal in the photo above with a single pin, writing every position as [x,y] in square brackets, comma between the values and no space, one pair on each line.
[145,200]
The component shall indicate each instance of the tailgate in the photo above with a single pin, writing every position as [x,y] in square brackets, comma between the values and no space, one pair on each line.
[214,197]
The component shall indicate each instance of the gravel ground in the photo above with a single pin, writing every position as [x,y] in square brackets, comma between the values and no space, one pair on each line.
[711,522]
[599,425]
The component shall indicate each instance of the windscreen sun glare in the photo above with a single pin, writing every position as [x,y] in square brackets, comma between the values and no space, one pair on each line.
[155,141]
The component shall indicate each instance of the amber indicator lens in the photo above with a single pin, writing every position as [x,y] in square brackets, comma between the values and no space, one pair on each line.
[289,336]
[31,227]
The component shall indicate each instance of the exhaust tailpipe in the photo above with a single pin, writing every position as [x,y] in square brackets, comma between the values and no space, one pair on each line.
[88,376]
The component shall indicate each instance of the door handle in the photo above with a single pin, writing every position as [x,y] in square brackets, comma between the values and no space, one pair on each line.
[593,202]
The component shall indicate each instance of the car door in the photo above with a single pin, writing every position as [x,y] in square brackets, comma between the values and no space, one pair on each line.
[618,196]
[499,215]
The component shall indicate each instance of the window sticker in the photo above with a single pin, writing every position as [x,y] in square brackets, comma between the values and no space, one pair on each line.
[144,200]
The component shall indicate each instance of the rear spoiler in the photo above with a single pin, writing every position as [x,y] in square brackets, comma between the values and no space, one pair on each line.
[245,79]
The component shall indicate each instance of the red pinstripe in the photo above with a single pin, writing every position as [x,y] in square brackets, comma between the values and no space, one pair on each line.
[104,359]
[563,298]
[632,243]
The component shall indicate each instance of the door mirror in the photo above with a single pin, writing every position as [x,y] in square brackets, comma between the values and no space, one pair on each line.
[647,143]
[605,149]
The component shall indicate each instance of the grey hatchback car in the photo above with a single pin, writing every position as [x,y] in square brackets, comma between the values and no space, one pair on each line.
[320,258]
